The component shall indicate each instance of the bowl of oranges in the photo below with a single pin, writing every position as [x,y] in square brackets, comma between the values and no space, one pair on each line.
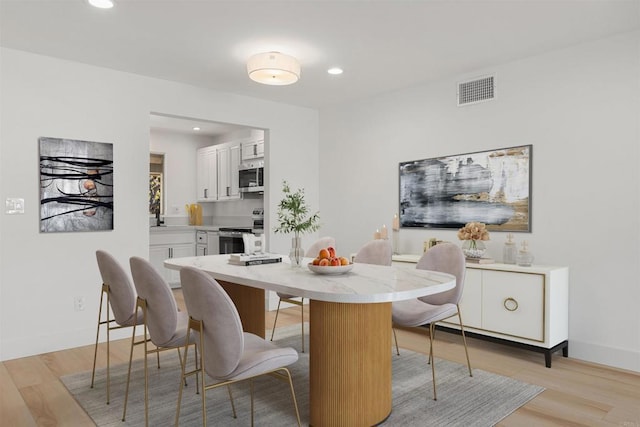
[328,263]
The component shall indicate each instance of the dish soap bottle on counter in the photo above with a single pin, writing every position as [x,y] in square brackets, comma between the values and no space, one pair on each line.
[509,252]
[525,258]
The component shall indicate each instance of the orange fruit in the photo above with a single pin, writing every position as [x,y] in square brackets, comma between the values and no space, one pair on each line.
[323,254]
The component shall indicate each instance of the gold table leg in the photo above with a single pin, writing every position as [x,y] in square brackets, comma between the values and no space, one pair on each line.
[350,364]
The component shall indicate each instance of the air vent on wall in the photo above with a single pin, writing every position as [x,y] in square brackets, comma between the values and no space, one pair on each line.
[474,91]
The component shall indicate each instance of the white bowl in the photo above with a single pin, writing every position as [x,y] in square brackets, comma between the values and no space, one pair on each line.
[327,269]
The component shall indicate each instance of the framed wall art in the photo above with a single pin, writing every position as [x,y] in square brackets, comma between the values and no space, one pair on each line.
[491,186]
[76,185]
[155,193]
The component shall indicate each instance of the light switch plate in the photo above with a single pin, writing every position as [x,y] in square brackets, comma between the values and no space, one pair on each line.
[15,206]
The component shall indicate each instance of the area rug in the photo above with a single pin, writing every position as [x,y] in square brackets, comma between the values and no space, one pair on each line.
[481,400]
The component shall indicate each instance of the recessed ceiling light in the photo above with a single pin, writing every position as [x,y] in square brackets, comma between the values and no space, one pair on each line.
[196,128]
[334,71]
[102,4]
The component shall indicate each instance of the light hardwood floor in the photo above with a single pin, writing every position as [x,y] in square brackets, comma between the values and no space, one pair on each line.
[577,393]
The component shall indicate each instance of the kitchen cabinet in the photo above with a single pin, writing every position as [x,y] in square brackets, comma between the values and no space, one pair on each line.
[253,149]
[525,306]
[168,243]
[207,242]
[228,163]
[217,172]
[207,174]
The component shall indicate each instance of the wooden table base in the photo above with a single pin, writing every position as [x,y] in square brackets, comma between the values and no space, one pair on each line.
[350,364]
[349,360]
[250,305]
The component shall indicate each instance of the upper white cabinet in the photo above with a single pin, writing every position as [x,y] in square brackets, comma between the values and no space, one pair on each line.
[228,162]
[253,149]
[217,172]
[207,174]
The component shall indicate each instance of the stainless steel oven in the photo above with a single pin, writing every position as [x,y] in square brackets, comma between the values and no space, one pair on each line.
[230,240]
[251,176]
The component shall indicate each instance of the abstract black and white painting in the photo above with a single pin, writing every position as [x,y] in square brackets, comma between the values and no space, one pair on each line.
[76,185]
[492,186]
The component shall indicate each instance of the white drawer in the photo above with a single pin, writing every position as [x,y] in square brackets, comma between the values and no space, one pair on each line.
[172,238]
[513,304]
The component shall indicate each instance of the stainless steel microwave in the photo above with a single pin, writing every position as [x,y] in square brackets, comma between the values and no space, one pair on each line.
[251,176]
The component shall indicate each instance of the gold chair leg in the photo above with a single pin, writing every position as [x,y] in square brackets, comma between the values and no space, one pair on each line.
[251,392]
[182,380]
[276,319]
[126,394]
[433,362]
[108,352]
[432,335]
[302,321]
[293,396]
[464,341]
[95,351]
[395,337]
[146,380]
[233,406]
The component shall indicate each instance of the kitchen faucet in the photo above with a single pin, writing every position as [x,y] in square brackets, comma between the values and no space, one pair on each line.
[159,222]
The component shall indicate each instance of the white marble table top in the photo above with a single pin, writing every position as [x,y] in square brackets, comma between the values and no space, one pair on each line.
[365,283]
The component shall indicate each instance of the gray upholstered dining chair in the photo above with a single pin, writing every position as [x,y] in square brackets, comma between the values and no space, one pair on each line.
[427,310]
[312,252]
[228,354]
[166,326]
[377,251]
[121,299]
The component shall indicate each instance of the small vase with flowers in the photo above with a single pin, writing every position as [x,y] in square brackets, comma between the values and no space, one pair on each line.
[473,235]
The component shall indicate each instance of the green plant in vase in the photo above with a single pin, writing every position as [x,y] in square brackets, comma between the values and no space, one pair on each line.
[293,217]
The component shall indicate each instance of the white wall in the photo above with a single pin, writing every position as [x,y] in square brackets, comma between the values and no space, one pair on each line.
[179,166]
[579,107]
[40,274]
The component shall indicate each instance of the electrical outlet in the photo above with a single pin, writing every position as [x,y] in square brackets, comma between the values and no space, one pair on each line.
[78,303]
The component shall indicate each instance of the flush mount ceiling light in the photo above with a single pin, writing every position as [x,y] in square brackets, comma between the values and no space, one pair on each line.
[273,68]
[102,4]
[335,71]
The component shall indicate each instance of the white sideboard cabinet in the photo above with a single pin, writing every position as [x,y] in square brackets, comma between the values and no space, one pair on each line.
[524,306]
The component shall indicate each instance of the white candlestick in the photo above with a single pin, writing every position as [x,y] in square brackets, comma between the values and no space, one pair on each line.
[383,232]
[396,223]
[376,235]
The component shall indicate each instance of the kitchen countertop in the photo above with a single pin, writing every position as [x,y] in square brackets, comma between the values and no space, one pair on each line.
[171,228]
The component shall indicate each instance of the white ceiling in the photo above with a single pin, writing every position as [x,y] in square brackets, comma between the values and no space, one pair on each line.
[162,122]
[382,45]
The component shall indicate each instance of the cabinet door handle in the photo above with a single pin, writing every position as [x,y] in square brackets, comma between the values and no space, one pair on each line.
[228,188]
[510,304]
[255,149]
[205,193]
[170,252]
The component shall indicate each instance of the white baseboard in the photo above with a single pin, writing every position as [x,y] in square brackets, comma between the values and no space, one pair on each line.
[615,357]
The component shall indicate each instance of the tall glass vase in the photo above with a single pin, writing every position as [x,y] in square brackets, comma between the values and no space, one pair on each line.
[297,253]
